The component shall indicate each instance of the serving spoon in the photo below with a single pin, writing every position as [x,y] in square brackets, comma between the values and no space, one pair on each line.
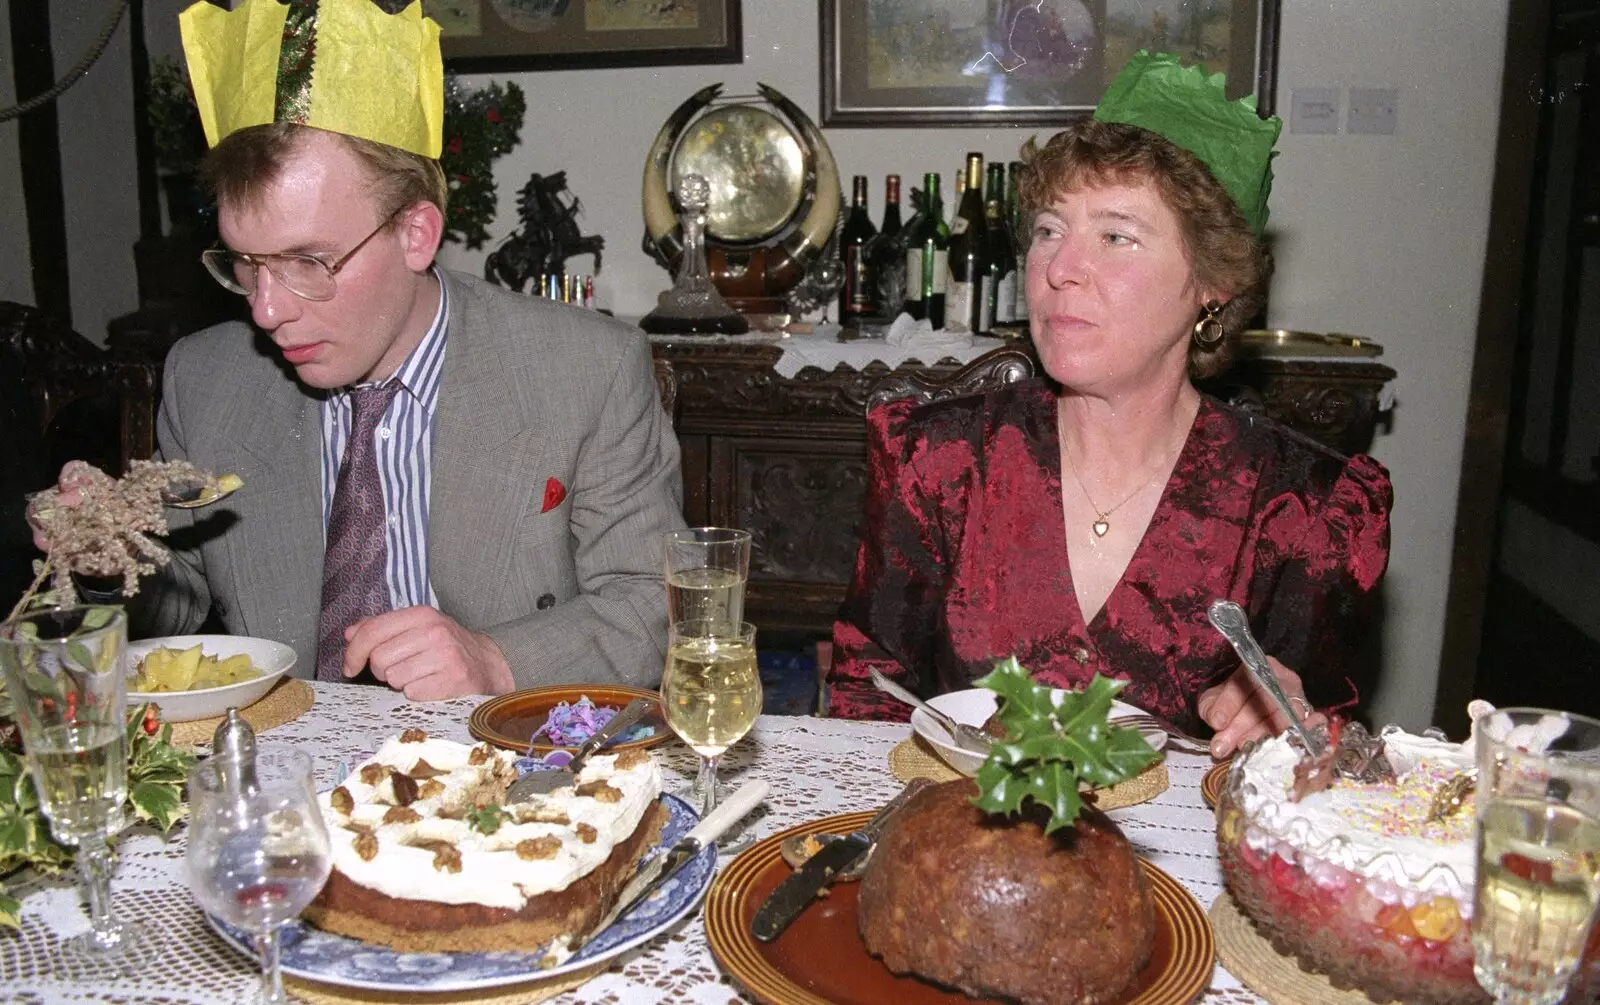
[966,737]
[1229,619]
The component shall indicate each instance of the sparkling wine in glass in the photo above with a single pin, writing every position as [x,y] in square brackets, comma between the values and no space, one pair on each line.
[710,693]
[1538,862]
[65,671]
[706,569]
[256,858]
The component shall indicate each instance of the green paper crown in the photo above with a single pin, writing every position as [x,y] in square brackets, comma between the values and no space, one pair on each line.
[1191,109]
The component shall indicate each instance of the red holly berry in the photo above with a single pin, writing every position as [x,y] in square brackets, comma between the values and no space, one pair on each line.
[151,723]
[454,146]
[72,706]
[493,114]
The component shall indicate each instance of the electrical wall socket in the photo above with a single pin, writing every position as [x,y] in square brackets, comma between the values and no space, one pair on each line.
[1373,110]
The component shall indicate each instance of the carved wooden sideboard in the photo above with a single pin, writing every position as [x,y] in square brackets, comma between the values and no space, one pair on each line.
[785,458]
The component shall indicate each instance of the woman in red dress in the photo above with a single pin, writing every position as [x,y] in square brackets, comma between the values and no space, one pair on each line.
[1084,523]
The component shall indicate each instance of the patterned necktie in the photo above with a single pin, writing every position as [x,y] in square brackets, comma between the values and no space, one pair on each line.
[353,581]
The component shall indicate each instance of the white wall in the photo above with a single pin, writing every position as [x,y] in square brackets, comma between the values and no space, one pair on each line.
[1382,236]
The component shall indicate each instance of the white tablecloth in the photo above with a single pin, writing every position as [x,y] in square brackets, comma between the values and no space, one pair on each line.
[815,767]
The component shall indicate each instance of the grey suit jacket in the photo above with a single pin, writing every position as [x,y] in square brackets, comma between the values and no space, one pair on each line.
[531,390]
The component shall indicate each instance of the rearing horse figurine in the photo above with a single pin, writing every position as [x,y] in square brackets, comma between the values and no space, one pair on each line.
[549,235]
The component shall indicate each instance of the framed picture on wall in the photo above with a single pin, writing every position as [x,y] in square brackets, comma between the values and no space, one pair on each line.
[1024,62]
[507,36]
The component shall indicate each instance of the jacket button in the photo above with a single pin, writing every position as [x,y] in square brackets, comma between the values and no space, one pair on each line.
[545,602]
[1081,655]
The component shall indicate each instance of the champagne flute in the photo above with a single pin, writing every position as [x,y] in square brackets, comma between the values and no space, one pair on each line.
[257,857]
[707,568]
[710,693]
[1538,861]
[66,673]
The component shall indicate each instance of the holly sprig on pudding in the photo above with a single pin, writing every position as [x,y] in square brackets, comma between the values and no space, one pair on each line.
[1055,742]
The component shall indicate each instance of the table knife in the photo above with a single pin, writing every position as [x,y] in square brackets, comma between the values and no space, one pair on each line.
[659,868]
[792,895]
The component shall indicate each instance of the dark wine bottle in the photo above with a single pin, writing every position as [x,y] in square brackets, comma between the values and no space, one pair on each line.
[855,296]
[1002,255]
[886,256]
[966,290]
[926,250]
[1021,237]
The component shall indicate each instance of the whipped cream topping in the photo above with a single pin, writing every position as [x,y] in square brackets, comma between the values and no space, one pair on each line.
[563,835]
[1374,831]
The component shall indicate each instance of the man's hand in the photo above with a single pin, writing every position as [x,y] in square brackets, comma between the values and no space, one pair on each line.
[1240,710]
[427,655]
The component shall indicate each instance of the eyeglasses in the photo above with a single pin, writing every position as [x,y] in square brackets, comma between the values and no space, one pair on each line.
[306,276]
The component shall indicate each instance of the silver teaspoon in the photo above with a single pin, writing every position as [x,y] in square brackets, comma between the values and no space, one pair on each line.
[195,493]
[1228,618]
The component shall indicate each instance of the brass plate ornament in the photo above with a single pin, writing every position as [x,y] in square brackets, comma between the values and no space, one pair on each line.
[754,165]
[1282,342]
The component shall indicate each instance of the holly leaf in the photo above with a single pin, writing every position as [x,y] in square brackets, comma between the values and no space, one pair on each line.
[1056,742]
[157,803]
[10,912]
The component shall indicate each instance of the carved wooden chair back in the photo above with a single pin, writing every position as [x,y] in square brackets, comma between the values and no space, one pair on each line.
[67,373]
[988,372]
[667,386]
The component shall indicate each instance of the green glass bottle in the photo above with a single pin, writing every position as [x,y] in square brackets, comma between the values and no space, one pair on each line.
[926,252]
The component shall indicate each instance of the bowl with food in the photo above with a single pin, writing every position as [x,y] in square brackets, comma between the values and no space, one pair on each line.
[201,676]
[975,707]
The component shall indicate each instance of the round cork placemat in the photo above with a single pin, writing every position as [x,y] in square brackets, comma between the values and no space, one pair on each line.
[1249,956]
[504,994]
[914,758]
[288,700]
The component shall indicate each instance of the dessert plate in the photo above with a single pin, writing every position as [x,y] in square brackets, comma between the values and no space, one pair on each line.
[510,719]
[273,659]
[1211,785]
[821,960]
[316,955]
[974,706]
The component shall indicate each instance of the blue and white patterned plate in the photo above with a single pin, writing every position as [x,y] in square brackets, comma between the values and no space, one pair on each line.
[316,955]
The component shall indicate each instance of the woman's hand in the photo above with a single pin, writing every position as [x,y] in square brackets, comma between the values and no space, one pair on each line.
[1240,710]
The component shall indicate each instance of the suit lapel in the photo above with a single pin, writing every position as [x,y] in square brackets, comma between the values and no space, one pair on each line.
[482,454]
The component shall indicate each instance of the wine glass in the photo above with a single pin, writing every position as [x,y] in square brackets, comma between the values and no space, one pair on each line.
[706,569]
[258,853]
[66,674]
[710,693]
[1538,861]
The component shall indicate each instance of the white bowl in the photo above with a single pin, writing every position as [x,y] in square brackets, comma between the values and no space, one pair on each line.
[273,659]
[974,707]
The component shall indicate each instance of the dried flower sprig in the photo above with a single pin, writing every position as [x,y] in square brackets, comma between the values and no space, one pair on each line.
[109,530]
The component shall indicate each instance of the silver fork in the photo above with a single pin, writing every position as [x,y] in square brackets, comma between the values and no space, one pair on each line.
[1177,739]
[966,737]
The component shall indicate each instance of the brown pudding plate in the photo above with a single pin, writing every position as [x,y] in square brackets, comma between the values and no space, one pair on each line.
[820,959]
[508,720]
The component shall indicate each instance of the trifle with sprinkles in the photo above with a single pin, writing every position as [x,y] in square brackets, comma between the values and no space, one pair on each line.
[1356,880]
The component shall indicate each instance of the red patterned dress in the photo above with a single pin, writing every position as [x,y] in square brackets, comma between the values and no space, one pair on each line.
[964,559]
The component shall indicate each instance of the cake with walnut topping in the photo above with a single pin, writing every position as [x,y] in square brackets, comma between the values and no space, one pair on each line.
[428,858]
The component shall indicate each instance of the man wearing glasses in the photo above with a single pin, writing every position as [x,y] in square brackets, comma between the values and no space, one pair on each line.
[456,489]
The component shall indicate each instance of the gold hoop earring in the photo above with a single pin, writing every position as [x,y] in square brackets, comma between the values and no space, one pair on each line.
[1208,331]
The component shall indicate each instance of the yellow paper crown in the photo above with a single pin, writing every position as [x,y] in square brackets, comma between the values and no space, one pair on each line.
[341,65]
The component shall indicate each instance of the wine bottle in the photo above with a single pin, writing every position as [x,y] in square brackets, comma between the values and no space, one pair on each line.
[966,290]
[855,296]
[886,256]
[1021,238]
[926,249]
[1002,255]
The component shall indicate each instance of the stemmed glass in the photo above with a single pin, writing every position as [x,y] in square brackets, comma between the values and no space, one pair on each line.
[707,568]
[1538,862]
[66,674]
[257,857]
[710,693]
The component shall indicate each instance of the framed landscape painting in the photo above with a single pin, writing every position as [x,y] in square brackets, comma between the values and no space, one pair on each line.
[1024,62]
[508,36]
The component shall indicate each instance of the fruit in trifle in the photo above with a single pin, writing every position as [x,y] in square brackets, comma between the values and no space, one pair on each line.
[1361,880]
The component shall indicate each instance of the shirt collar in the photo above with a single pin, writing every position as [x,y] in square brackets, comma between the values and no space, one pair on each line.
[419,373]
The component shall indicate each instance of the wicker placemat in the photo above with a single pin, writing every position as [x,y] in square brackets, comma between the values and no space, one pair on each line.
[288,700]
[505,994]
[914,758]
[1278,978]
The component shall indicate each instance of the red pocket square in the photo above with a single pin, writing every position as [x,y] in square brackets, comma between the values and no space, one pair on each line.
[554,492]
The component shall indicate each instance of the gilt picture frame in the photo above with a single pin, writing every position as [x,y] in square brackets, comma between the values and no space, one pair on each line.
[1024,62]
[511,36]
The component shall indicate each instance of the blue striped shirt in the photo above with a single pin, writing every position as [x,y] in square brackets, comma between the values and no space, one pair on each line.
[405,461]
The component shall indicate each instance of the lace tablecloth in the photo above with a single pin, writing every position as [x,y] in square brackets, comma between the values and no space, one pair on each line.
[815,767]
